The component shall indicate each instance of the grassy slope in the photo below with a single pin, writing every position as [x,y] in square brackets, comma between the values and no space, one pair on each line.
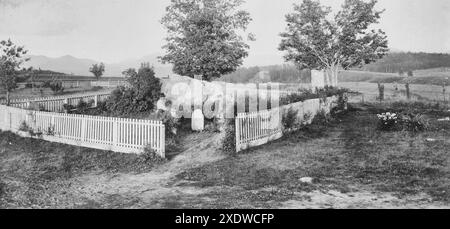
[348,155]
[36,173]
[427,76]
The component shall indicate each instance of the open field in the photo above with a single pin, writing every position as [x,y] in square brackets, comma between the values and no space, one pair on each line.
[428,76]
[28,93]
[352,164]
[419,92]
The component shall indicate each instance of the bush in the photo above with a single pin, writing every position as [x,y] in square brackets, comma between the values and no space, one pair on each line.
[140,98]
[415,122]
[56,87]
[322,117]
[289,119]
[388,121]
[151,156]
[408,121]
[172,124]
[82,106]
[304,95]
[229,140]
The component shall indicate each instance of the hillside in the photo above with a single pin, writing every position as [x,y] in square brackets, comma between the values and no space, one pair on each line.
[404,61]
[78,66]
[427,76]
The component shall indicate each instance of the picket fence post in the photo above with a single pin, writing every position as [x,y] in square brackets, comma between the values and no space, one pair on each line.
[115,129]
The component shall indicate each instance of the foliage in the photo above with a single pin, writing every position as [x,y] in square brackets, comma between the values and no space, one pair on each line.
[410,61]
[388,121]
[322,117]
[415,122]
[56,87]
[229,140]
[380,92]
[83,106]
[289,119]
[140,97]
[315,40]
[97,70]
[404,121]
[11,58]
[151,156]
[171,124]
[304,95]
[204,37]
[241,75]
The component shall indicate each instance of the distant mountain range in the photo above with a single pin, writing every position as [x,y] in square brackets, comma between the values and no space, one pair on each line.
[78,66]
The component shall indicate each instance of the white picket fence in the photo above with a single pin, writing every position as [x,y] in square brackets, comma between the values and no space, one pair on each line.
[105,133]
[55,104]
[258,128]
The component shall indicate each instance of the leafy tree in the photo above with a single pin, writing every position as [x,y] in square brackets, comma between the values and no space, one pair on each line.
[56,86]
[316,40]
[140,97]
[12,57]
[203,37]
[410,73]
[97,70]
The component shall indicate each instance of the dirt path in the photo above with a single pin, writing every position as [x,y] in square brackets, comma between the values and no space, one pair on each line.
[135,191]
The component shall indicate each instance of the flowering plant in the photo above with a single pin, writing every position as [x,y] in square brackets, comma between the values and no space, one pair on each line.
[388,121]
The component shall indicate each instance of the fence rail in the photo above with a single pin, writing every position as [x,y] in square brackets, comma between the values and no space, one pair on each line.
[56,104]
[105,133]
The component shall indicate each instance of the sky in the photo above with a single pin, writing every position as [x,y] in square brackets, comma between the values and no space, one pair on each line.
[117,30]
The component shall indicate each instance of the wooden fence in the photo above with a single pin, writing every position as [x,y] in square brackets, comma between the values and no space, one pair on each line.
[105,133]
[109,83]
[258,128]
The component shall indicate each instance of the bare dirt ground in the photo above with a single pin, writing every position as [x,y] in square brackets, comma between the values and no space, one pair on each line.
[352,166]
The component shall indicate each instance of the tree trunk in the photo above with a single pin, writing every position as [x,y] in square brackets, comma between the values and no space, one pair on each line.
[7,98]
[331,75]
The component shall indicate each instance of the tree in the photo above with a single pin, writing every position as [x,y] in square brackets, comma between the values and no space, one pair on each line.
[12,57]
[97,70]
[316,40]
[140,97]
[203,37]
[410,73]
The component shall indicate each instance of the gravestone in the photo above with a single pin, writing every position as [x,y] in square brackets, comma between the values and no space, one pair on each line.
[198,120]
[317,79]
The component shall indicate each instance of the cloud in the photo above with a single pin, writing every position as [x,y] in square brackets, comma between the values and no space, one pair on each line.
[37,17]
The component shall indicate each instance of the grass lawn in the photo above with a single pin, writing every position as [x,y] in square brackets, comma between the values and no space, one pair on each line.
[349,156]
[38,174]
[351,163]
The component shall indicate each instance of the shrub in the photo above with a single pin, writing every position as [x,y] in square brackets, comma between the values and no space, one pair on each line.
[304,95]
[82,106]
[172,124]
[322,117]
[388,121]
[415,122]
[24,127]
[151,156]
[56,87]
[140,97]
[289,119]
[229,140]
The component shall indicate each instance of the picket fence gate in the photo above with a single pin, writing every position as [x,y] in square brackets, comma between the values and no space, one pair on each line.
[105,133]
